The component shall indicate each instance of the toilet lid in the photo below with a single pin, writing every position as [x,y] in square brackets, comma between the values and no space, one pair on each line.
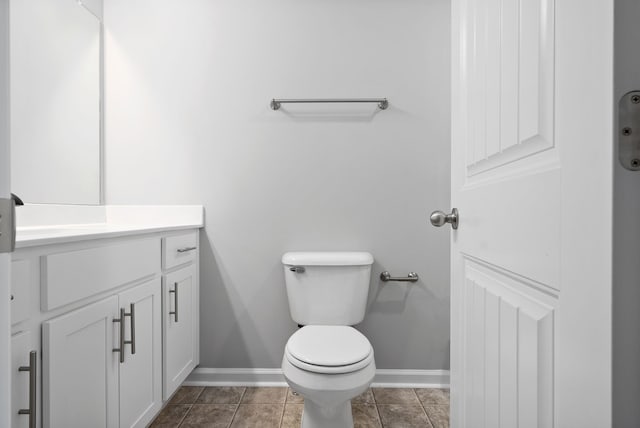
[328,345]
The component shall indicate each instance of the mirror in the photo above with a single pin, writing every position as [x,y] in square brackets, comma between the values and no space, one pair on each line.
[55,60]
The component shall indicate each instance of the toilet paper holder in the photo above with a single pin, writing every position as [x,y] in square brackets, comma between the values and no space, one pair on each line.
[411,277]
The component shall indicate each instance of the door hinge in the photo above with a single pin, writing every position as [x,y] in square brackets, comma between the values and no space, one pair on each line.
[629,131]
[7,225]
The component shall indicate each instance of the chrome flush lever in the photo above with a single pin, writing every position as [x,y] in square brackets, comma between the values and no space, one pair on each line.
[297,269]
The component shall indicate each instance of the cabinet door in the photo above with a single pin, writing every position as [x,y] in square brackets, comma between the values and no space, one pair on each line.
[180,319]
[141,373]
[80,368]
[20,350]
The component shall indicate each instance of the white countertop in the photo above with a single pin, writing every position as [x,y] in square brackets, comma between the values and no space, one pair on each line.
[116,221]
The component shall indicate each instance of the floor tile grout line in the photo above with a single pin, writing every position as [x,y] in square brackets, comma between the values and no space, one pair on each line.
[379,415]
[184,416]
[235,412]
[282,413]
[424,409]
[238,406]
[242,395]
[195,401]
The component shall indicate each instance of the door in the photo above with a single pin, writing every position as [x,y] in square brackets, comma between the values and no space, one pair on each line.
[532,179]
[5,341]
[80,367]
[180,327]
[141,372]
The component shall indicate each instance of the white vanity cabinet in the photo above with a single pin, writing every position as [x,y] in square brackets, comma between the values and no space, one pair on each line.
[180,327]
[24,363]
[80,372]
[102,314]
[104,360]
[180,296]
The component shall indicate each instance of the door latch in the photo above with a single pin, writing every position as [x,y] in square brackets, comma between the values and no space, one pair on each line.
[7,225]
[629,131]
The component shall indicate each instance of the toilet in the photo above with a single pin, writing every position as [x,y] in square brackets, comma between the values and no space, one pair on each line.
[327,361]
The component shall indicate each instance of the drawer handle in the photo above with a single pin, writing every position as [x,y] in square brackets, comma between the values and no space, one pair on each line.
[121,348]
[31,368]
[175,302]
[186,249]
[132,325]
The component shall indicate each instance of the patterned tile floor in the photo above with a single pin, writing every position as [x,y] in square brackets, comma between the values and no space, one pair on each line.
[240,407]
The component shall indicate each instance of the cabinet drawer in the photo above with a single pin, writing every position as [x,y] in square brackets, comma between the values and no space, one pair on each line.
[179,249]
[72,276]
[20,290]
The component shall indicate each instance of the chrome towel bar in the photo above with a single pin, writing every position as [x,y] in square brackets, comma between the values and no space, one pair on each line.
[411,277]
[383,103]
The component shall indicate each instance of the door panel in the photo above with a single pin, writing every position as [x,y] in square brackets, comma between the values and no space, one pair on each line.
[511,87]
[532,110]
[5,189]
[141,373]
[20,349]
[180,341]
[80,382]
[510,325]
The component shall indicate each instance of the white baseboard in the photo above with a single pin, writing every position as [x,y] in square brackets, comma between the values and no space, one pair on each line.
[273,377]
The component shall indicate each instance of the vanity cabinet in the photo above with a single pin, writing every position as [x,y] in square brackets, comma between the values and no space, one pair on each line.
[116,322]
[104,360]
[23,378]
[180,327]
[80,371]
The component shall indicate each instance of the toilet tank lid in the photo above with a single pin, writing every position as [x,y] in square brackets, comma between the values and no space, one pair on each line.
[327,258]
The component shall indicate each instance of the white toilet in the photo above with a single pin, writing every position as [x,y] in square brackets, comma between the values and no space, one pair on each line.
[327,361]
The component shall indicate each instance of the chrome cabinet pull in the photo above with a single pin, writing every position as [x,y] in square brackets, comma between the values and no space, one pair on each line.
[33,382]
[121,348]
[175,302]
[132,325]
[186,249]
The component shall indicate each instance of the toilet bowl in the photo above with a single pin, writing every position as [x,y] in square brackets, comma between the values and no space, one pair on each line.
[328,366]
[328,362]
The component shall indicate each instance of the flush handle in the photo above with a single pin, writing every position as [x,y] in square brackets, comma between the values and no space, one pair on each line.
[297,269]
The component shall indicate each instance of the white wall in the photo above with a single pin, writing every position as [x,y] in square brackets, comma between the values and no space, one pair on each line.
[626,253]
[188,85]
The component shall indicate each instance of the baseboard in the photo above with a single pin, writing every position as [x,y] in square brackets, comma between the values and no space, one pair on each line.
[273,377]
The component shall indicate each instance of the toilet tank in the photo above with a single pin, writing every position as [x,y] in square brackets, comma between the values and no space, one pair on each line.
[327,288]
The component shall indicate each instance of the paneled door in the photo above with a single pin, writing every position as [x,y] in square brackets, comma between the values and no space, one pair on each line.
[179,327]
[141,372]
[5,259]
[80,368]
[532,134]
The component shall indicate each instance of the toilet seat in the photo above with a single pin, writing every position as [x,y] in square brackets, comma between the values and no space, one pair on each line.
[329,349]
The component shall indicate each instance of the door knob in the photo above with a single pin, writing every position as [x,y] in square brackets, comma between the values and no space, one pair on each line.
[438,218]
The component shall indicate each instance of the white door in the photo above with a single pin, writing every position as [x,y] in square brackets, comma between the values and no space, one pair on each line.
[80,367]
[532,113]
[141,373]
[180,327]
[5,343]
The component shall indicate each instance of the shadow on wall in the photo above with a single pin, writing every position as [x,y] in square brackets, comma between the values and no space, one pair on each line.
[334,113]
[236,332]
[398,303]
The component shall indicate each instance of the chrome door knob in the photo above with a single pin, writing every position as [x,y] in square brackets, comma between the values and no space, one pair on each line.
[438,218]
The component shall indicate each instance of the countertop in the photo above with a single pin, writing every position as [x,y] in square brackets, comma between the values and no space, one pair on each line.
[117,221]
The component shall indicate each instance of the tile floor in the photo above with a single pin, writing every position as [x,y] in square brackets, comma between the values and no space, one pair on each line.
[237,407]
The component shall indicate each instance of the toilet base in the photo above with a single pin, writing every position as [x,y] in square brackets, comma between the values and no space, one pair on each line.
[315,416]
